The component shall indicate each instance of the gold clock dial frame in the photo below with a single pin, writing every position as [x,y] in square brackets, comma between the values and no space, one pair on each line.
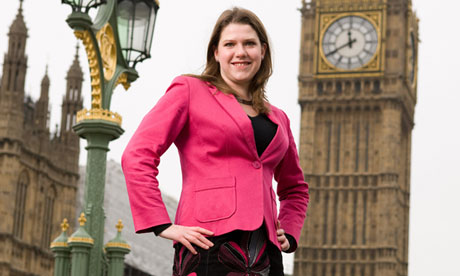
[361,56]
[374,67]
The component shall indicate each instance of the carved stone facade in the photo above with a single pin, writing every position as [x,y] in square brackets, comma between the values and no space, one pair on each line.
[38,170]
[355,141]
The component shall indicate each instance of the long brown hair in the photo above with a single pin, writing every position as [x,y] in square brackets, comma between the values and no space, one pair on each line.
[211,72]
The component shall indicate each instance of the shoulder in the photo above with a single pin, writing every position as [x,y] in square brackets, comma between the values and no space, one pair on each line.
[193,86]
[190,80]
[186,84]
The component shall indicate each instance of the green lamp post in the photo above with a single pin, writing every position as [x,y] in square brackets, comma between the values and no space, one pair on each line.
[117,39]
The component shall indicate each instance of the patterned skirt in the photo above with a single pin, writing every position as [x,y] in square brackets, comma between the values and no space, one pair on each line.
[238,253]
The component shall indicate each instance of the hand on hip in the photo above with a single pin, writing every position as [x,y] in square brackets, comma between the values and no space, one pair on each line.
[188,235]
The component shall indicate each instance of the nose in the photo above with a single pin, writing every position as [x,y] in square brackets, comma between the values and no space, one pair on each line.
[240,51]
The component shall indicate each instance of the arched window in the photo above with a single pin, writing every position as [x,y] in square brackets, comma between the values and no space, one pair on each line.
[75,94]
[68,122]
[20,204]
[74,118]
[16,81]
[50,196]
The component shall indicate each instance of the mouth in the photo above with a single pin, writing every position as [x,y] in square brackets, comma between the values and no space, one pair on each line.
[241,63]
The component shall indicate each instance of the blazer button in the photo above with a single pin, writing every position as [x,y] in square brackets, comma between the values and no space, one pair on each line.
[256,164]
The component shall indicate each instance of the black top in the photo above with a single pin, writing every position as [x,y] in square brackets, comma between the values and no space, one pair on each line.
[264,132]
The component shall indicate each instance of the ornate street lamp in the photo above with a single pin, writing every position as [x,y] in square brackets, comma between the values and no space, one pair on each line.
[119,37]
[136,21]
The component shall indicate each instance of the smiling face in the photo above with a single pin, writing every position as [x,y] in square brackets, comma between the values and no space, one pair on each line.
[239,54]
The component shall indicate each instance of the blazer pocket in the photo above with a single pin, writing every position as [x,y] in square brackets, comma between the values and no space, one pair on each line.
[215,199]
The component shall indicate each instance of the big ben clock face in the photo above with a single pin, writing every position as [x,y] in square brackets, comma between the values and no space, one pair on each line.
[350,42]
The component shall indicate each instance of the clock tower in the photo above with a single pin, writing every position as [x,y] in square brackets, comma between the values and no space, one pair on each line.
[357,91]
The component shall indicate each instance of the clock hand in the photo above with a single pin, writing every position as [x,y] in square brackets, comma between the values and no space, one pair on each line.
[349,43]
[349,39]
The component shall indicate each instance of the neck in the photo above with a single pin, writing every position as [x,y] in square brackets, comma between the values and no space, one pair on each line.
[241,89]
[242,92]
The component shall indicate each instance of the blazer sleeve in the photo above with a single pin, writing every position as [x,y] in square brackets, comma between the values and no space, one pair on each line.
[140,160]
[292,190]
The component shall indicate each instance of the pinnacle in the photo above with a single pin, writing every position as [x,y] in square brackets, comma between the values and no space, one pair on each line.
[19,26]
[46,80]
[75,69]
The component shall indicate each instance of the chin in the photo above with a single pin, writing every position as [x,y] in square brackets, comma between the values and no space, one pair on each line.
[242,80]
[243,77]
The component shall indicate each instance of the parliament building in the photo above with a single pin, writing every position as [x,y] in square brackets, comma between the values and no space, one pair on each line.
[357,92]
[38,169]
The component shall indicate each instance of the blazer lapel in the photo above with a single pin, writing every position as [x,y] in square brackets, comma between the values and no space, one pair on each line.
[275,142]
[236,112]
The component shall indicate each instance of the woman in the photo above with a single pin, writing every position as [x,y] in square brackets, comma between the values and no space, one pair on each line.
[231,143]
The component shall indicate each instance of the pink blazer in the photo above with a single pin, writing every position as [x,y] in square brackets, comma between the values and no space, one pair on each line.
[225,184]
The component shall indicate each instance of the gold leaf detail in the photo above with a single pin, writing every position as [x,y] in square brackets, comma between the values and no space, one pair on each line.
[108,48]
[96,95]
[118,244]
[80,239]
[98,114]
[58,244]
[123,79]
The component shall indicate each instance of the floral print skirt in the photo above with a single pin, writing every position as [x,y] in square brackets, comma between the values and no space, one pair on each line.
[238,253]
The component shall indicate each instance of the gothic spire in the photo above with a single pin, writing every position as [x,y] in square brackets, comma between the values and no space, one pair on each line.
[15,61]
[41,112]
[72,101]
[19,26]
[75,69]
[45,84]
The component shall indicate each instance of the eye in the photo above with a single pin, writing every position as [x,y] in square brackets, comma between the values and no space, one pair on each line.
[228,44]
[250,43]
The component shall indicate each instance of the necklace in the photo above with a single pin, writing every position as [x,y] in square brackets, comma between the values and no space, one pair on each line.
[246,102]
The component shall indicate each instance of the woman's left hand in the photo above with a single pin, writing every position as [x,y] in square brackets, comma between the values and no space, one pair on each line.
[284,242]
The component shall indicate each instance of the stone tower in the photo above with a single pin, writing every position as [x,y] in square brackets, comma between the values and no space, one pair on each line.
[38,170]
[357,91]
[13,79]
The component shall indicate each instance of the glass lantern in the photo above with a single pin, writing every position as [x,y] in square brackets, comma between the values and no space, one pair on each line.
[136,21]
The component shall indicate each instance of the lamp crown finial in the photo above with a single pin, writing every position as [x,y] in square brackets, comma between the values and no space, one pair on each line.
[119,225]
[64,225]
[82,219]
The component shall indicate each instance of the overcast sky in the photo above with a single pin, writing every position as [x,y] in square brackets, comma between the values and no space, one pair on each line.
[179,46]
